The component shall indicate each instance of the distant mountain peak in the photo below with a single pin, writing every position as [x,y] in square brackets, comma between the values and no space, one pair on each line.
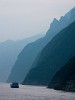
[54,23]
[55,20]
[68,18]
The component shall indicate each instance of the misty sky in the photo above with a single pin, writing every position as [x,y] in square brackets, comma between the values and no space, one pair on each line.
[23,18]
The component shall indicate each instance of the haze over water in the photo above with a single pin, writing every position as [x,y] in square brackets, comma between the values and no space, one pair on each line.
[33,93]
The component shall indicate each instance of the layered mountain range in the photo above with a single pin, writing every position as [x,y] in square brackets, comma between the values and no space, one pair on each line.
[46,55]
[9,50]
[53,57]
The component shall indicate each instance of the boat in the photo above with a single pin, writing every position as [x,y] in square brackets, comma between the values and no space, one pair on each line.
[14,85]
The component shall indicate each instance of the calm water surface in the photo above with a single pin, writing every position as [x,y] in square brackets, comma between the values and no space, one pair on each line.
[32,93]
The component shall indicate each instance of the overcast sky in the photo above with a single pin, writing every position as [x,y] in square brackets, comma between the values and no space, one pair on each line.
[23,18]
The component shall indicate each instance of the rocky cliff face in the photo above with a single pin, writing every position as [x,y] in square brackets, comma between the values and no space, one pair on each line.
[64,79]
[53,57]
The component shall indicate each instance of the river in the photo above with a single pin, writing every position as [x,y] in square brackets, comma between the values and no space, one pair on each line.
[33,93]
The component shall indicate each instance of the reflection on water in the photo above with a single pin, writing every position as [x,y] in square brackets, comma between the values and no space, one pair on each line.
[32,93]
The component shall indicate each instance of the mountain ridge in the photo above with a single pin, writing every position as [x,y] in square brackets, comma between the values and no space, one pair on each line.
[9,51]
[28,56]
[53,57]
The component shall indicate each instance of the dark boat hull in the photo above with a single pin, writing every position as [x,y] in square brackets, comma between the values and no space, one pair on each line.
[13,85]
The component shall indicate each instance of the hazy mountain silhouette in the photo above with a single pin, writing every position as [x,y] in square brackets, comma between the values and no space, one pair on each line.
[27,57]
[53,57]
[9,51]
[64,79]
